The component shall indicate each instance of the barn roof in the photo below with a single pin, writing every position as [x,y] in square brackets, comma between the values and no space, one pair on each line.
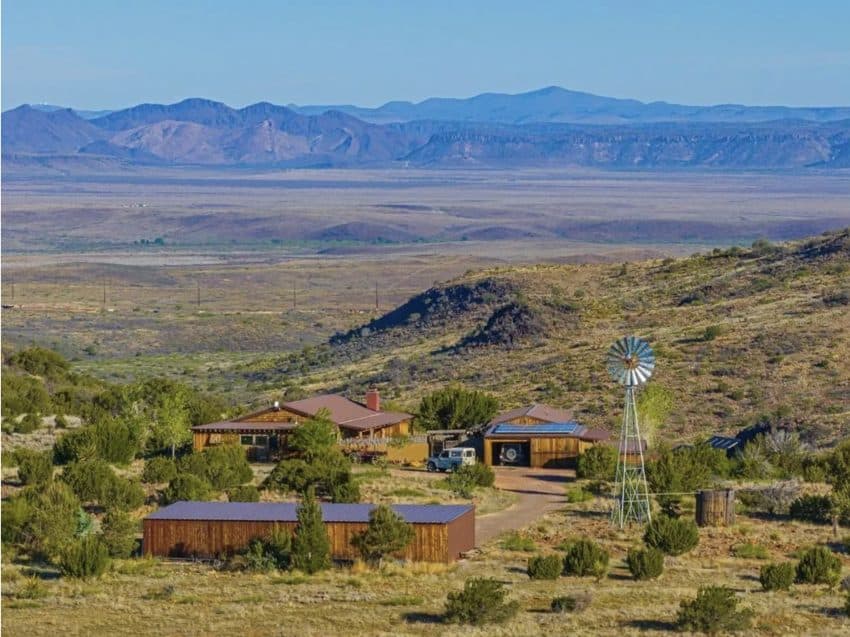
[536,410]
[287,512]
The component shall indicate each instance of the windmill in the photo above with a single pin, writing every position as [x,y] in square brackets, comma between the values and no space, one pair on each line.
[630,363]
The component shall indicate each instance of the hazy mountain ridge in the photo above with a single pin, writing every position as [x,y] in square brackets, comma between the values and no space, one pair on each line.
[203,132]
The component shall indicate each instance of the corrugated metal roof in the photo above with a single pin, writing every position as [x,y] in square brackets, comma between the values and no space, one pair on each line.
[551,428]
[248,427]
[287,512]
[537,410]
[722,442]
[346,413]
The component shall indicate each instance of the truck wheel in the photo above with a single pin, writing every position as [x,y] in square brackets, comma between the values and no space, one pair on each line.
[432,467]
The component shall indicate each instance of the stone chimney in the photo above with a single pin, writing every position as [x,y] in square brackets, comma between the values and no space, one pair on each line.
[373,399]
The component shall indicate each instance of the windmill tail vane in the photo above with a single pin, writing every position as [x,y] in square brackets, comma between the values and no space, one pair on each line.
[630,363]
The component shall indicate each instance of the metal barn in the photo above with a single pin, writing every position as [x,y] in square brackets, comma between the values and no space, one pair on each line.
[210,529]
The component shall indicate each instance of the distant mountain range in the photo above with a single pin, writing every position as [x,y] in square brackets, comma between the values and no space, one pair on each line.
[556,105]
[548,127]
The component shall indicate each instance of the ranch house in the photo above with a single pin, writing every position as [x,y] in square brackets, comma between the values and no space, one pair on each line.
[263,433]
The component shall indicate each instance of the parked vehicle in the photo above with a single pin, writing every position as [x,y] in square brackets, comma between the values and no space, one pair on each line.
[451,459]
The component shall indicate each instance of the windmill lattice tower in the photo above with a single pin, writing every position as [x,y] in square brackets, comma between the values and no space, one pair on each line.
[630,363]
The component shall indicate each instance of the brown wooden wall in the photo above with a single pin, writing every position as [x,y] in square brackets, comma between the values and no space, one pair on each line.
[399,429]
[200,538]
[203,439]
[544,452]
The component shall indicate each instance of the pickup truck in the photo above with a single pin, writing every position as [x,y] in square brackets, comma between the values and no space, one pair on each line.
[451,459]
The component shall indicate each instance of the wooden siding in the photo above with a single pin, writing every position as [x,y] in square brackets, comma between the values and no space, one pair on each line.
[548,451]
[200,538]
[399,429]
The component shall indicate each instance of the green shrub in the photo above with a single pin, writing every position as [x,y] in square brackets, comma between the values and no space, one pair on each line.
[462,482]
[714,610]
[328,473]
[818,565]
[311,548]
[30,422]
[119,533]
[812,508]
[482,601]
[223,466]
[570,603]
[386,533]
[481,474]
[345,492]
[271,552]
[673,536]
[186,486]
[48,520]
[21,394]
[711,332]
[545,566]
[40,361]
[645,564]
[84,558]
[777,577]
[244,493]
[159,469]
[74,445]
[585,558]
[117,440]
[576,495]
[516,541]
[31,588]
[597,463]
[750,551]
[34,467]
[94,481]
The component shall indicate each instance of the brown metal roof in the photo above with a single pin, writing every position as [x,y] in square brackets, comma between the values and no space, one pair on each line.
[541,412]
[346,413]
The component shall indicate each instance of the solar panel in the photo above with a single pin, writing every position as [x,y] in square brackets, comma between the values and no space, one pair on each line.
[287,512]
[563,428]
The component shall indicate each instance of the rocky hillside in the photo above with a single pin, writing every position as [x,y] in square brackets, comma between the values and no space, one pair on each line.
[742,335]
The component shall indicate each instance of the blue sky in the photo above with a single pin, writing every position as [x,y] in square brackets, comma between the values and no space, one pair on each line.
[111,54]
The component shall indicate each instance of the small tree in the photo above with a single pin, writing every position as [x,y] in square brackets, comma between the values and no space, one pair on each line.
[87,557]
[223,466]
[186,486]
[386,533]
[311,548]
[585,558]
[51,521]
[315,437]
[645,564]
[34,467]
[244,493]
[454,407]
[482,601]
[119,533]
[159,469]
[674,536]
[714,610]
[597,463]
[818,565]
[171,426]
[545,566]
[777,577]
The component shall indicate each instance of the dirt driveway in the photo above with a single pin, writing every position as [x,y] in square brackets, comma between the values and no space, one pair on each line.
[539,491]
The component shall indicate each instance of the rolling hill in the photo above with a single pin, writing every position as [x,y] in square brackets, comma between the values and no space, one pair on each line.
[742,336]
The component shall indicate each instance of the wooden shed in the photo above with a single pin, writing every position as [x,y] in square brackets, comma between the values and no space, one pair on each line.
[210,529]
[539,445]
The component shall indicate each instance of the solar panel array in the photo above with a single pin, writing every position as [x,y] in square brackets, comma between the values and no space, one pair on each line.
[563,428]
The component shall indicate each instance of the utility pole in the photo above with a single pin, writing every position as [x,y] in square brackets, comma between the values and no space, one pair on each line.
[199,294]
[376,296]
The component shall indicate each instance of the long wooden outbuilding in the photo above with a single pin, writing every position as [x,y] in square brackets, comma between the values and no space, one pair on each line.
[212,529]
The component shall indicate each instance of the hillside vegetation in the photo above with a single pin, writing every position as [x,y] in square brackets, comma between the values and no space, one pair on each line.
[741,335]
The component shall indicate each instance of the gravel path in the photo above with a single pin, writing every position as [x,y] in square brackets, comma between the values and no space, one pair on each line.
[539,491]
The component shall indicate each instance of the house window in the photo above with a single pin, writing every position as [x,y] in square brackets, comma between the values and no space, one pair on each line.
[261,441]
[246,440]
